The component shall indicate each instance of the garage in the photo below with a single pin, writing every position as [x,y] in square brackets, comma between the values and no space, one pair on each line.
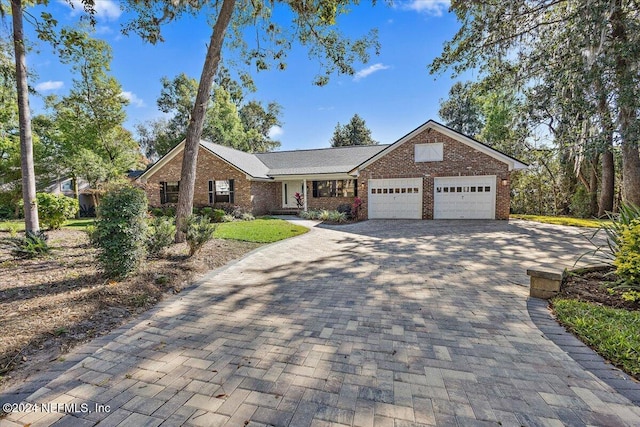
[398,198]
[466,197]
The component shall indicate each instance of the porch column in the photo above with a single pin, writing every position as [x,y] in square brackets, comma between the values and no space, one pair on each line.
[304,193]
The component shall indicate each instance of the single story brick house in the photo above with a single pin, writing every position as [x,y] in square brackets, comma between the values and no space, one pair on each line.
[433,172]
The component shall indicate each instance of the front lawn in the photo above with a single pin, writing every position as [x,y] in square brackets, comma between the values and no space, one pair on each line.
[562,220]
[611,332]
[18,224]
[262,230]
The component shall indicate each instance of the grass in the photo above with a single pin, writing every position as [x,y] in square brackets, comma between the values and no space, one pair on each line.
[611,332]
[18,224]
[562,220]
[260,230]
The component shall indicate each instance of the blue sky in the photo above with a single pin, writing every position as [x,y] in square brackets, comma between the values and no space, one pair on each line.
[394,92]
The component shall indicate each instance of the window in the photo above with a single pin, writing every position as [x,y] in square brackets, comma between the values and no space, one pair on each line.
[169,192]
[335,188]
[221,191]
[487,189]
[67,185]
[429,152]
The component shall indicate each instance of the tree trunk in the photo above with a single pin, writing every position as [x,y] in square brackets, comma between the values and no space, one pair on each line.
[24,117]
[630,174]
[608,183]
[593,186]
[194,130]
[607,189]
[627,102]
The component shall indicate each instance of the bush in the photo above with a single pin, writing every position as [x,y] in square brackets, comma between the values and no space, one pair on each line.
[206,211]
[228,218]
[33,245]
[619,223]
[247,217]
[121,231]
[339,217]
[168,211]
[218,215]
[627,259]
[324,215]
[345,208]
[161,233]
[198,230]
[55,209]
[581,203]
[7,205]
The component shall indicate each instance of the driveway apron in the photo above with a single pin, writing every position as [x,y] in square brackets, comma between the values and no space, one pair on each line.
[380,323]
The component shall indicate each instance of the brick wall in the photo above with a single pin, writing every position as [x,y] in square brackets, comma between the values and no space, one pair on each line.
[459,160]
[265,197]
[209,168]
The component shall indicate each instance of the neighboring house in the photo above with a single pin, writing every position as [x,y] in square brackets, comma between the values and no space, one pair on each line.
[65,186]
[432,172]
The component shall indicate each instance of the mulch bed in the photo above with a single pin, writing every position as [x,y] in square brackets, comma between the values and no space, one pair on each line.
[49,305]
[597,287]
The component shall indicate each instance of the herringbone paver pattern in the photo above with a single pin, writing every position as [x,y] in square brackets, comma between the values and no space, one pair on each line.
[406,323]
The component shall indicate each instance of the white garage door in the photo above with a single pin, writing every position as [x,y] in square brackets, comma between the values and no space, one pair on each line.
[395,198]
[466,197]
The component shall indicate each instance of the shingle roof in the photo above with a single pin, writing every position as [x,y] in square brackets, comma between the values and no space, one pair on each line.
[246,162]
[318,161]
[299,162]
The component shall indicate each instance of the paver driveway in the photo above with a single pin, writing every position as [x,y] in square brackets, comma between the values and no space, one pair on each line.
[401,323]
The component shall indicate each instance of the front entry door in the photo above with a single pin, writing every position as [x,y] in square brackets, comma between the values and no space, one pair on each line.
[289,190]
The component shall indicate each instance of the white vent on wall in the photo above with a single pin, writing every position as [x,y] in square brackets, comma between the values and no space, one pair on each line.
[429,152]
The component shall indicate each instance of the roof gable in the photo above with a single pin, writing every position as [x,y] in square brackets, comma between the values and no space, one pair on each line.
[511,162]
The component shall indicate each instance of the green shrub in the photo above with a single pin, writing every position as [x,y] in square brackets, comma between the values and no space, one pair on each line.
[247,217]
[55,209]
[346,209]
[627,259]
[168,211]
[121,231]
[7,205]
[324,215]
[228,218]
[198,230]
[13,228]
[339,217]
[33,245]
[161,233]
[581,203]
[92,233]
[218,215]
[207,211]
[613,229]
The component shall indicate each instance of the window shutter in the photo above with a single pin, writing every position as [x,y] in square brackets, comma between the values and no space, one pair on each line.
[355,188]
[231,192]
[211,195]
[163,194]
[315,189]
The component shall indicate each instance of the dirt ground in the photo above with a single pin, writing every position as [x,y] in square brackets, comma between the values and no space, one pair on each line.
[49,305]
[597,287]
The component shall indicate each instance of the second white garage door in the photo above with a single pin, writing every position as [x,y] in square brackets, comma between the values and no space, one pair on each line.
[466,197]
[398,198]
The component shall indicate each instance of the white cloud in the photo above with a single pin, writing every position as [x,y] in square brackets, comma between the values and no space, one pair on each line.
[133,99]
[49,85]
[276,132]
[107,9]
[429,7]
[369,70]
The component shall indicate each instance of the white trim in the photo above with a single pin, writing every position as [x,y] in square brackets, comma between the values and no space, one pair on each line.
[513,164]
[313,177]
